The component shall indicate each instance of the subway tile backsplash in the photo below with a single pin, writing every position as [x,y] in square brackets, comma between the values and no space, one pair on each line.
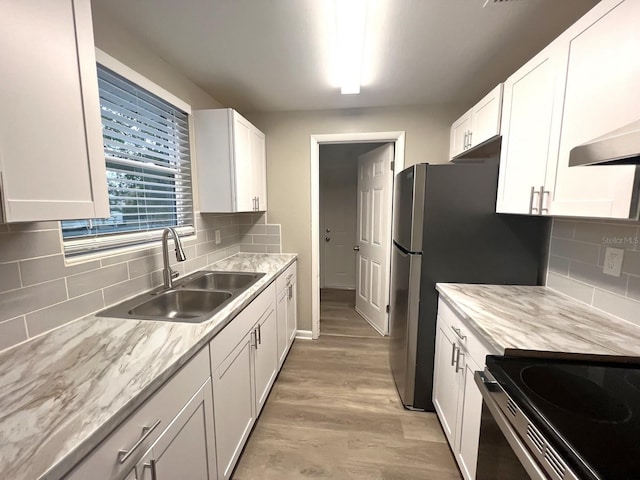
[576,259]
[39,292]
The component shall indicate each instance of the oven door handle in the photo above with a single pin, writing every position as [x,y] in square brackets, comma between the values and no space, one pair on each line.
[528,462]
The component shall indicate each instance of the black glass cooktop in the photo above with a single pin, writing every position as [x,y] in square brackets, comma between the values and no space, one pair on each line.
[589,411]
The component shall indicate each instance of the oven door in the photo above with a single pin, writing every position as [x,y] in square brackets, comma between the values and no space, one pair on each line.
[501,452]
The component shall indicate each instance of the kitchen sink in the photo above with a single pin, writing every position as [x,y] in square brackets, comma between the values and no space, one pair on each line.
[181,304]
[195,299]
[226,281]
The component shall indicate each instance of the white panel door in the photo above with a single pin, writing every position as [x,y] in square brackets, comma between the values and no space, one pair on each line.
[601,95]
[375,184]
[446,383]
[469,421]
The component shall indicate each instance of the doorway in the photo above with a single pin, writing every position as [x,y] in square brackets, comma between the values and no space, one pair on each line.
[349,279]
[339,246]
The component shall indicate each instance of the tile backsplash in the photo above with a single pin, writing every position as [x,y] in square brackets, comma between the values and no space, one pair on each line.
[576,260]
[39,292]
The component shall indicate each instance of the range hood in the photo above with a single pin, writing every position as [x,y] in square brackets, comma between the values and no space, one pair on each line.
[620,147]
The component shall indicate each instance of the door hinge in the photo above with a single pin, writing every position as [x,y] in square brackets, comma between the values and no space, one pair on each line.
[393,165]
[388,308]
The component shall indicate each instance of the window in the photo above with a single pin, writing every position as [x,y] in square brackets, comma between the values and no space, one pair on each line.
[146,144]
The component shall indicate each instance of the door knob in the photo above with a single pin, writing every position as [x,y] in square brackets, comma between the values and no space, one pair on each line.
[356,248]
[326,239]
[328,230]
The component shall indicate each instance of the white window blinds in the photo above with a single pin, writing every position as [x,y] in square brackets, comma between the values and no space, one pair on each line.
[146,144]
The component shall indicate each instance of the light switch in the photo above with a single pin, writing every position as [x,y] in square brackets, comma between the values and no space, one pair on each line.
[218,239]
[613,261]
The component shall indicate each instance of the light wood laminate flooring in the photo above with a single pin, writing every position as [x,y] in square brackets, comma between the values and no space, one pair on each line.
[334,412]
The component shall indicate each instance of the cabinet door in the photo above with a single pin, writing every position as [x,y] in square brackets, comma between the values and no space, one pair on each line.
[266,357]
[233,398]
[283,336]
[529,145]
[243,167]
[186,449]
[446,382]
[292,311]
[485,117]
[459,132]
[601,95]
[259,169]
[469,420]
[51,155]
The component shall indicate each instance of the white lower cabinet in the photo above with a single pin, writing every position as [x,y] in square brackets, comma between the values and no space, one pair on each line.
[458,402]
[244,362]
[234,404]
[155,428]
[186,449]
[196,425]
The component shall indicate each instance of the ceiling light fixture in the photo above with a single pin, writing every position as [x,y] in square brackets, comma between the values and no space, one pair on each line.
[351,19]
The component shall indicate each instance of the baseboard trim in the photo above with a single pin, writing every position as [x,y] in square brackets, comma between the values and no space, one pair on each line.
[304,334]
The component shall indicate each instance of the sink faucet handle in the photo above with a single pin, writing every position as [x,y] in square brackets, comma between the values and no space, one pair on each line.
[175,274]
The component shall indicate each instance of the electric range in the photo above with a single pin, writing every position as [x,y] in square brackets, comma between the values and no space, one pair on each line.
[575,419]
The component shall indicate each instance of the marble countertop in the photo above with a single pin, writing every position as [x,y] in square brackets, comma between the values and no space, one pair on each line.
[538,320]
[61,394]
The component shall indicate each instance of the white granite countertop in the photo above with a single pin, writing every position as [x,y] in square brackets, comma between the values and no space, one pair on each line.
[61,394]
[538,320]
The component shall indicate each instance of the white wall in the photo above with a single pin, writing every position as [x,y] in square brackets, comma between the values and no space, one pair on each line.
[289,165]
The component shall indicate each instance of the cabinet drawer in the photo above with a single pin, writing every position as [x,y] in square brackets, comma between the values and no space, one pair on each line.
[474,345]
[288,275]
[160,409]
[225,341]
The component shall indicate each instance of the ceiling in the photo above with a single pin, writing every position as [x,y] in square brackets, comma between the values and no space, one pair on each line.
[271,55]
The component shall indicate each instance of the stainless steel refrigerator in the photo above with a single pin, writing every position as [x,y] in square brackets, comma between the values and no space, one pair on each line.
[445,229]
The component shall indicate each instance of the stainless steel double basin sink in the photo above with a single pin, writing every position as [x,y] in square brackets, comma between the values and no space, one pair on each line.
[194,299]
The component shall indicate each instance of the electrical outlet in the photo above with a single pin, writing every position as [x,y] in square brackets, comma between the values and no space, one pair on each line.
[218,239]
[613,261]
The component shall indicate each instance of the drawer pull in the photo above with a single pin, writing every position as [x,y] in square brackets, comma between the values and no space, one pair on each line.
[459,333]
[123,455]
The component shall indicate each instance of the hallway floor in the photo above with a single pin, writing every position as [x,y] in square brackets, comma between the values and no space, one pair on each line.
[334,412]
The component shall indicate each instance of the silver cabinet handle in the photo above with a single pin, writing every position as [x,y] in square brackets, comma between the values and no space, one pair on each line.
[470,138]
[260,334]
[458,360]
[152,466]
[289,277]
[458,332]
[123,455]
[290,296]
[464,142]
[531,207]
[543,192]
[453,354]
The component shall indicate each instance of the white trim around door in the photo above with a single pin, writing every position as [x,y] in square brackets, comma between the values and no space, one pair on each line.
[398,138]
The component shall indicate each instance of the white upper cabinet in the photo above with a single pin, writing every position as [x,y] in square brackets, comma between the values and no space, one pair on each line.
[582,86]
[479,124]
[531,108]
[231,162]
[602,94]
[51,155]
